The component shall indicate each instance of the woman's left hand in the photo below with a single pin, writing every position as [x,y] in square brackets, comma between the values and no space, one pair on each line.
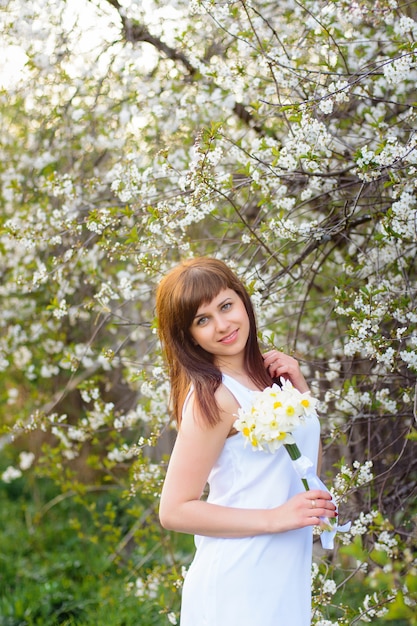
[281,364]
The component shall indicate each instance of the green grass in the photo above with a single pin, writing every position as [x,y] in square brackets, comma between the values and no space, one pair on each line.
[49,576]
[58,568]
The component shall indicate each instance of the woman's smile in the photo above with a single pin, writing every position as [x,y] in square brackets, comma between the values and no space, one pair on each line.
[230,338]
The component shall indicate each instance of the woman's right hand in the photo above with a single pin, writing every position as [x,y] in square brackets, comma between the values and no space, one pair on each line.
[303,509]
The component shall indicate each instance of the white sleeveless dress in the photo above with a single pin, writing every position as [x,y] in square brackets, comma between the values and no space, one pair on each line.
[255,581]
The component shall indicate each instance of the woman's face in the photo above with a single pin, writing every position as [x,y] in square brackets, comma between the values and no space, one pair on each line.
[221,327]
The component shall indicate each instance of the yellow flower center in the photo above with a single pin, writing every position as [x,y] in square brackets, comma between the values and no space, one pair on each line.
[246,431]
[277,404]
[290,410]
[281,436]
[305,403]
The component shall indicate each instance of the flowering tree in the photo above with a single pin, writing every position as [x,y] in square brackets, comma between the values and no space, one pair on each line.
[276,136]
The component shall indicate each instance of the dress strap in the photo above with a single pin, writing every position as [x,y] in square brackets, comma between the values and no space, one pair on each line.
[242,394]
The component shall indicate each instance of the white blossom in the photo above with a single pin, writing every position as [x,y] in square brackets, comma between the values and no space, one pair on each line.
[26,460]
[77,434]
[326,106]
[386,542]
[360,525]
[400,69]
[405,26]
[409,357]
[119,455]
[329,586]
[12,395]
[10,474]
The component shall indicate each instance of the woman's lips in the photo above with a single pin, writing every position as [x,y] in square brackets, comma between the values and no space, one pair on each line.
[230,338]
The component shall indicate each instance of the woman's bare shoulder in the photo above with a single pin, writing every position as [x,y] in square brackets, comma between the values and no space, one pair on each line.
[228,406]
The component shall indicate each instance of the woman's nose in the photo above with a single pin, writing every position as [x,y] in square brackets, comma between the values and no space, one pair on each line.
[222,323]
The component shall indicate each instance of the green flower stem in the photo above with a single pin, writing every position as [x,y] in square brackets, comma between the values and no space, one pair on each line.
[294,452]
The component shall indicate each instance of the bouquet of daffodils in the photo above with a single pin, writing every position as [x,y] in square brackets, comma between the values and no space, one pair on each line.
[274,414]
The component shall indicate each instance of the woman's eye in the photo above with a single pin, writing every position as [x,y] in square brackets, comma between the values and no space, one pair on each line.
[201,321]
[226,306]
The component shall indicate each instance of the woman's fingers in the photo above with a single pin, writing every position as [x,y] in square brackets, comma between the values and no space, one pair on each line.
[281,364]
[320,506]
[304,509]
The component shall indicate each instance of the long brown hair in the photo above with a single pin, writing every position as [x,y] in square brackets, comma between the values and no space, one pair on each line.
[179,295]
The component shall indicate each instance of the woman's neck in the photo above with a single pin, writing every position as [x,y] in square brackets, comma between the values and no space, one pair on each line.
[231,366]
[236,370]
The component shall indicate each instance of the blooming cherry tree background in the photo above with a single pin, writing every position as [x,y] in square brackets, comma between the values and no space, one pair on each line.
[279,137]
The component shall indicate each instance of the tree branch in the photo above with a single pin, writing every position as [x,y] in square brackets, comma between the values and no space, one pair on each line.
[135,32]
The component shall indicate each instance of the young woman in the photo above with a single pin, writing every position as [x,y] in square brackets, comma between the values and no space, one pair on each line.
[252,565]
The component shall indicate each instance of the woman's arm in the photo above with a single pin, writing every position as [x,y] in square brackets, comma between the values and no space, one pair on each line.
[195,451]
